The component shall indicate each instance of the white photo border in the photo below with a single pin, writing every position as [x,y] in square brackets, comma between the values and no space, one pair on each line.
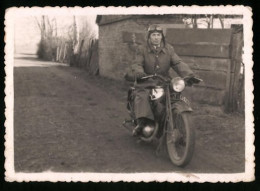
[11,175]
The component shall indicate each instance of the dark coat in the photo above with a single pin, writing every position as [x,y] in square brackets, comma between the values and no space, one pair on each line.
[150,61]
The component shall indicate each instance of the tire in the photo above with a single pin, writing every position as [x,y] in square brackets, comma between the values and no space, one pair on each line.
[181,149]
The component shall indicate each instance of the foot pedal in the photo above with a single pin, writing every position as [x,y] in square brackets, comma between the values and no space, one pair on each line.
[129,125]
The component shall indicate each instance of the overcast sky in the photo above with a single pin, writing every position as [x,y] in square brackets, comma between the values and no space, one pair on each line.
[27,33]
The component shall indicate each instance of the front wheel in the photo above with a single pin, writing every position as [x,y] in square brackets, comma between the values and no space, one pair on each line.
[180,140]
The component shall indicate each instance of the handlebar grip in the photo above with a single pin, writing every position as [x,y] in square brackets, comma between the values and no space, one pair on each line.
[192,80]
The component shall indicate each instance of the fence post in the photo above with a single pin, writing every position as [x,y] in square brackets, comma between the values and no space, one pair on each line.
[60,53]
[57,53]
[64,53]
[236,60]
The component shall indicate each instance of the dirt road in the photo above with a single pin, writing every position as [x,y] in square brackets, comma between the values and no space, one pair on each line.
[68,121]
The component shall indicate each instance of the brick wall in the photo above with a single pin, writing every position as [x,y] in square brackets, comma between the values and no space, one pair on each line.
[114,55]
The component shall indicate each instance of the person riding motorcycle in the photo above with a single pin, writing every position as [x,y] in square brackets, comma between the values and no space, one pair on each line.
[156,57]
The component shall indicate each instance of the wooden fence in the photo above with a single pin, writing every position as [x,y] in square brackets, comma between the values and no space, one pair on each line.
[87,58]
[215,56]
[60,50]
[64,52]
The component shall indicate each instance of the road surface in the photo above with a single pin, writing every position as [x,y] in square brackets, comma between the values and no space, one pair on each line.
[68,121]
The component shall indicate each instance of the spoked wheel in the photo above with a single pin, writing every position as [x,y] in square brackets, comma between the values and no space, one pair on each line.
[180,141]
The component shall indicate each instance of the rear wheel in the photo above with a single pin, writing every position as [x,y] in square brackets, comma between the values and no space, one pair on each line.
[180,141]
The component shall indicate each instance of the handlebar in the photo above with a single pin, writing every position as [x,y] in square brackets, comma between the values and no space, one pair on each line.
[155,76]
[188,80]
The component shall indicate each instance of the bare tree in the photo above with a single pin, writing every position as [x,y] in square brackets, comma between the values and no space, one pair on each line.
[194,21]
[208,20]
[41,26]
[75,31]
[45,26]
[221,20]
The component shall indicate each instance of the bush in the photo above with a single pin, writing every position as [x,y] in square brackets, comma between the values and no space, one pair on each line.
[47,49]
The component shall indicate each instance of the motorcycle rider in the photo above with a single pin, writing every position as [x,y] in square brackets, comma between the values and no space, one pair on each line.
[158,57]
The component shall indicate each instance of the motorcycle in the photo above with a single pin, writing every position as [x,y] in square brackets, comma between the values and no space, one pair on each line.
[172,125]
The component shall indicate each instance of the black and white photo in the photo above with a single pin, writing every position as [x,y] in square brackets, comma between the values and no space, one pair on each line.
[129,94]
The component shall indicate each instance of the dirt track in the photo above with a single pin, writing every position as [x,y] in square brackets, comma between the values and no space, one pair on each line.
[68,121]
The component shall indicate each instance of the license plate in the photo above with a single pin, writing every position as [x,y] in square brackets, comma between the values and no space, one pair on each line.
[175,96]
[184,99]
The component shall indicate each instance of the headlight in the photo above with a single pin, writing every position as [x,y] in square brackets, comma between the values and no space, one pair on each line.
[178,84]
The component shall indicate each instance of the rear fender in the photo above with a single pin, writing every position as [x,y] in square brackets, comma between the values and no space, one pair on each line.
[181,106]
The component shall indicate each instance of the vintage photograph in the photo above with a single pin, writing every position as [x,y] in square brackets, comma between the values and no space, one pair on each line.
[129,94]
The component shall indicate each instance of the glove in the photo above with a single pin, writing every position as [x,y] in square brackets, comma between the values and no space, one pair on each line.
[139,75]
[189,82]
[192,80]
[131,77]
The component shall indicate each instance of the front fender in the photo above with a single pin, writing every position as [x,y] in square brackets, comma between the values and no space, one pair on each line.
[181,106]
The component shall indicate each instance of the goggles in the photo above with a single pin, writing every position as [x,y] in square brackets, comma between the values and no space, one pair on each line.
[155,28]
